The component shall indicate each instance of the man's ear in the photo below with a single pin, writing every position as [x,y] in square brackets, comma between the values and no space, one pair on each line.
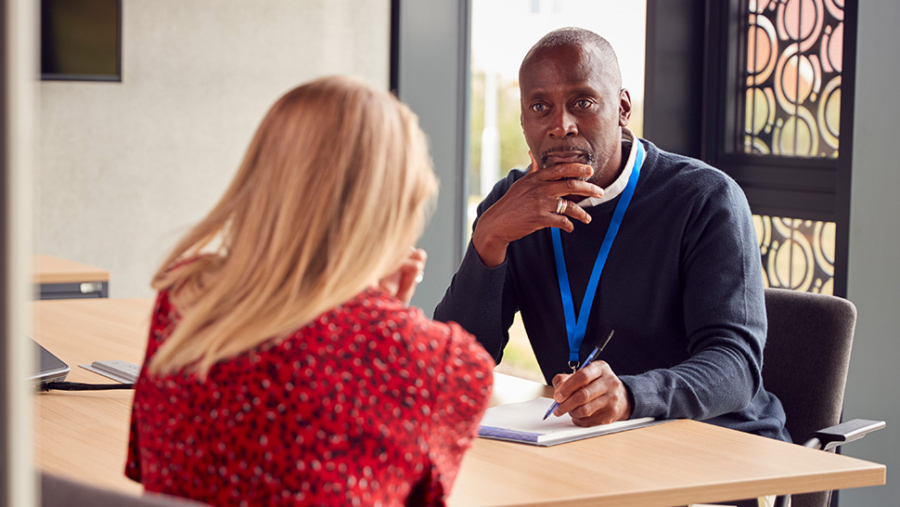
[624,107]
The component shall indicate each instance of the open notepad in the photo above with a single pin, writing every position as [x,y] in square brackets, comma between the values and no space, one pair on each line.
[521,422]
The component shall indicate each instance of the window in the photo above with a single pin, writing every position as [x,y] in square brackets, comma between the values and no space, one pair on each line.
[792,84]
[779,121]
[797,254]
[81,40]
[502,33]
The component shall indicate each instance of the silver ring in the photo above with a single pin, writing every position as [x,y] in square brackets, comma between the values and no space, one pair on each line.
[420,276]
[561,205]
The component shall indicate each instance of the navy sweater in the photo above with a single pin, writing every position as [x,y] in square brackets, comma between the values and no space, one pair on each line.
[682,288]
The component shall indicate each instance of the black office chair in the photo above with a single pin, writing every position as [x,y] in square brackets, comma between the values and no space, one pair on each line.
[805,365]
[59,492]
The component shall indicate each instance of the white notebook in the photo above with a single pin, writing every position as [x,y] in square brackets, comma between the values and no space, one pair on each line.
[521,422]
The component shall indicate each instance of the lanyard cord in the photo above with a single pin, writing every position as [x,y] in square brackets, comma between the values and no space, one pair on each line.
[575,329]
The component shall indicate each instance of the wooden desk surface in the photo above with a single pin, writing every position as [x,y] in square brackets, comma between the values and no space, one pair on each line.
[49,269]
[84,436]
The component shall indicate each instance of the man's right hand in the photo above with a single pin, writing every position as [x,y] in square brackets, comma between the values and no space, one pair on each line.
[530,204]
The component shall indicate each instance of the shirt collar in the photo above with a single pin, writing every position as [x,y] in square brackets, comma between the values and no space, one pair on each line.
[629,142]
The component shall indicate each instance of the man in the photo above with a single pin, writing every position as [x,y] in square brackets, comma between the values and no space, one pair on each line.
[678,279]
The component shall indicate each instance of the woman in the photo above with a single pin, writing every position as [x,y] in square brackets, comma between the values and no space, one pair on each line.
[283,365]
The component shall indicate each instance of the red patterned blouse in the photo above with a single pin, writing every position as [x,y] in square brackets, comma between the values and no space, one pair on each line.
[370,404]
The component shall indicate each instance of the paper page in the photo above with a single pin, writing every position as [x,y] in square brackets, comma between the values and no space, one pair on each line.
[523,422]
[526,416]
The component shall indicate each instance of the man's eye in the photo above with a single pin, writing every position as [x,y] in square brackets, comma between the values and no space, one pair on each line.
[538,108]
[583,104]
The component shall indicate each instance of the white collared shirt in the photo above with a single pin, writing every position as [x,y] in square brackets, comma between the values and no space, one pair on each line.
[613,190]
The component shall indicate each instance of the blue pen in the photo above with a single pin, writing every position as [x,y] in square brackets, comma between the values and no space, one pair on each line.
[594,353]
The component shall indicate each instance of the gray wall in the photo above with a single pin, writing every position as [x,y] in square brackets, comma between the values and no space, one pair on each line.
[434,81]
[126,167]
[873,386]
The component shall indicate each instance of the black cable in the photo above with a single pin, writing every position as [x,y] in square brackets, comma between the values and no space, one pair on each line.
[77,386]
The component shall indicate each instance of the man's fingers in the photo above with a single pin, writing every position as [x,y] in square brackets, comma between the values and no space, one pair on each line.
[593,395]
[580,388]
[562,222]
[591,403]
[609,406]
[571,210]
[563,171]
[570,186]
[594,408]
[560,378]
[575,381]
[602,417]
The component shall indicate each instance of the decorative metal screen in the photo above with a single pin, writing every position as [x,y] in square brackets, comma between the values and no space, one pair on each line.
[796,254]
[793,78]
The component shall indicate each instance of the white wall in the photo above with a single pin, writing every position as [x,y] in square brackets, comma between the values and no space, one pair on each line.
[873,282]
[126,167]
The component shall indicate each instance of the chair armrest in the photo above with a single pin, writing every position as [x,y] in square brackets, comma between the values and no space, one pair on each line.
[834,436]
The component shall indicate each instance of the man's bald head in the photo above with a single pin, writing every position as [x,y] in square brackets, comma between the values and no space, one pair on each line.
[579,38]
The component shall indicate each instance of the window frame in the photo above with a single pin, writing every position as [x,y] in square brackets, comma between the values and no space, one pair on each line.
[61,76]
[809,188]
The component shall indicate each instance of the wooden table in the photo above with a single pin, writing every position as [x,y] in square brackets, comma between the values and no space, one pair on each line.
[64,279]
[84,436]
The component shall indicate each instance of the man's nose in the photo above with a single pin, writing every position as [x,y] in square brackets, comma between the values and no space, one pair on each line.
[563,125]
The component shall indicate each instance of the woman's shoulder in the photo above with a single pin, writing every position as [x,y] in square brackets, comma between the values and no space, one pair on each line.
[393,320]
[380,311]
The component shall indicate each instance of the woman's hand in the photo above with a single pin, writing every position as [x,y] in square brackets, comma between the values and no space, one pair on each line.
[402,283]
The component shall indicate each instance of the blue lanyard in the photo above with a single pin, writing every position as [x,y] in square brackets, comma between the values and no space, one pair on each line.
[575,329]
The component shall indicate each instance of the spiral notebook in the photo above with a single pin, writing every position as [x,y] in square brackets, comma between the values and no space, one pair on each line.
[522,422]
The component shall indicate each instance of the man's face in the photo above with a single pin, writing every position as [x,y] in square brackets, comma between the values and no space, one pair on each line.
[573,111]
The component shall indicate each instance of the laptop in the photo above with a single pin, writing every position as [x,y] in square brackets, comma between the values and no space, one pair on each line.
[50,368]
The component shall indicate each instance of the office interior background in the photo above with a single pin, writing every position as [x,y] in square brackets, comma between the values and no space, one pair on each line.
[111,172]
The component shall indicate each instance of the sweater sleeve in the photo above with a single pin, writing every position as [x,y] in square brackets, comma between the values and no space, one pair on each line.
[475,300]
[724,316]
[480,298]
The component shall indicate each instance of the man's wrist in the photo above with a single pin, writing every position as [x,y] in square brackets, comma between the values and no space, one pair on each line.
[491,250]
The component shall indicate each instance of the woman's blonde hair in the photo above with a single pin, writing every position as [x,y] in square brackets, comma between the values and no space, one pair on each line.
[330,197]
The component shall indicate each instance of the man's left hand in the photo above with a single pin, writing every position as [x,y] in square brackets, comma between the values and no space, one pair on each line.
[593,395]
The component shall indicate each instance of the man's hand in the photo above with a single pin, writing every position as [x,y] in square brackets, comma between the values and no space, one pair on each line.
[402,283]
[592,395]
[531,204]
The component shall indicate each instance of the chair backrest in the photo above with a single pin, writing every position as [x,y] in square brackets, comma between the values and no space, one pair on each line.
[805,362]
[806,357]
[59,492]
